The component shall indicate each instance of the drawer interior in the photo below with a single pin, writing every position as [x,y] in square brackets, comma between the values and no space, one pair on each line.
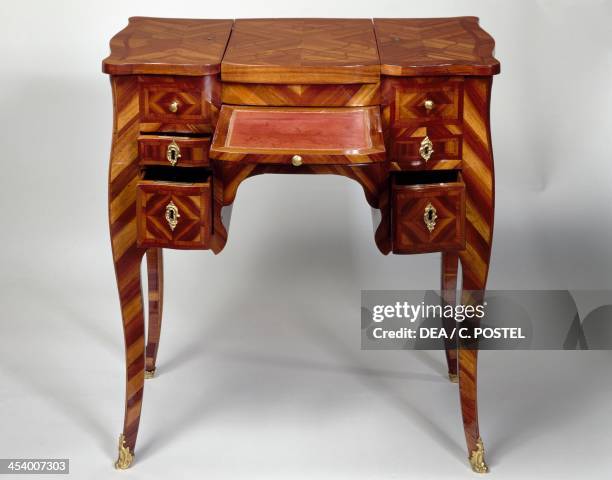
[427,177]
[176,175]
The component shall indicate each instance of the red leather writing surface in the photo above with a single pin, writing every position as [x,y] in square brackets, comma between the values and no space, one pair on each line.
[299,130]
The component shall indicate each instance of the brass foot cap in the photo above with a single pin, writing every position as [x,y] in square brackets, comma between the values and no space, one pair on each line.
[453,377]
[125,456]
[149,374]
[477,460]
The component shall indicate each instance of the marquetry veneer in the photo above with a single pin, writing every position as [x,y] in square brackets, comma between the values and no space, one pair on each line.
[399,105]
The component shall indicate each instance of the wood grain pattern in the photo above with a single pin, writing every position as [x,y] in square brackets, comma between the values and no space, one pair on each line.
[478,176]
[434,46]
[127,256]
[340,95]
[406,121]
[193,201]
[410,233]
[198,99]
[155,287]
[301,51]
[318,135]
[168,46]
[152,150]
[449,269]
[447,144]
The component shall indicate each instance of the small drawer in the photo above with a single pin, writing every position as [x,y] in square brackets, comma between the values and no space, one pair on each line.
[428,211]
[177,104]
[173,151]
[425,100]
[428,148]
[174,208]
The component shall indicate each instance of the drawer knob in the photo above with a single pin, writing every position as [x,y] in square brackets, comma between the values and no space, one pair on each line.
[429,105]
[430,216]
[426,150]
[173,107]
[173,153]
[172,215]
[296,160]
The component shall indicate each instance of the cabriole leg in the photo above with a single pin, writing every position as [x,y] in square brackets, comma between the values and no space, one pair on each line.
[155,271]
[479,181]
[127,256]
[450,265]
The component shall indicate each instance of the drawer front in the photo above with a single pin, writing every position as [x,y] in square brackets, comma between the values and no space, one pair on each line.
[425,100]
[178,104]
[174,215]
[426,148]
[174,151]
[421,110]
[428,217]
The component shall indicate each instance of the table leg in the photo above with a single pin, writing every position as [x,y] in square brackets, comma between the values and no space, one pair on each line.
[478,177]
[127,256]
[450,265]
[155,270]
[127,269]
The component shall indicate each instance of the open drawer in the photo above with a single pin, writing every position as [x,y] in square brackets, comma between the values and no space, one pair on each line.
[428,211]
[299,136]
[174,208]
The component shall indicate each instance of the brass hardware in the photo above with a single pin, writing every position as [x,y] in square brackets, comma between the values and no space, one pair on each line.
[149,374]
[172,215]
[426,150]
[453,377]
[174,106]
[429,105]
[173,153]
[430,216]
[125,456]
[477,458]
[296,160]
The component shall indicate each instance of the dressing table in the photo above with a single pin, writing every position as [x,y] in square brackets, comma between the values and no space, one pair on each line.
[399,105]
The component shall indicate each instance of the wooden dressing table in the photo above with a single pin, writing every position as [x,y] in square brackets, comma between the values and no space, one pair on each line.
[399,105]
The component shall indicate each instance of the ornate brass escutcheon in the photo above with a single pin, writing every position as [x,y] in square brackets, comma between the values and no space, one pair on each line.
[173,107]
[426,150]
[172,215]
[430,216]
[429,105]
[173,153]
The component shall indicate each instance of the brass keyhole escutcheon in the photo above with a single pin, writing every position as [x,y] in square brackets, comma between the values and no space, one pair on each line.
[430,216]
[173,107]
[426,150]
[172,215]
[429,105]
[296,160]
[173,153]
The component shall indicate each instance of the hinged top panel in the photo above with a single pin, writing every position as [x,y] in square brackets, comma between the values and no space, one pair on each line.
[302,51]
[168,46]
[434,46]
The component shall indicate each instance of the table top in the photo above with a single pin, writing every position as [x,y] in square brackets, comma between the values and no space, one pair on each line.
[434,46]
[302,51]
[168,46]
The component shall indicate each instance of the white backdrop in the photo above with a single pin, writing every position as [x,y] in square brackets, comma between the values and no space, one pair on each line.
[551,128]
